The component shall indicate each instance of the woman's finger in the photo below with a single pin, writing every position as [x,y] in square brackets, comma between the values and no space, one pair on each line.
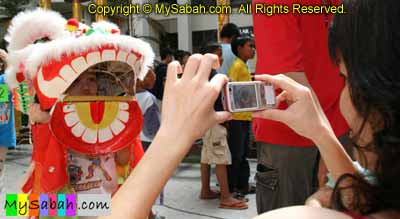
[280,81]
[174,68]
[208,62]
[282,97]
[191,66]
[222,116]
[218,81]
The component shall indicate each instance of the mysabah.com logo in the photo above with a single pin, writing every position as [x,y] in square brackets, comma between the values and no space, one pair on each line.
[57,205]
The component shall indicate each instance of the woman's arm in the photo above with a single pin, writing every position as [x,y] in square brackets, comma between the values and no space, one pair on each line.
[307,212]
[337,161]
[187,112]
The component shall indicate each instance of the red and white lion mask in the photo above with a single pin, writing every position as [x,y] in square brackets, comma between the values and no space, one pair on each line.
[50,53]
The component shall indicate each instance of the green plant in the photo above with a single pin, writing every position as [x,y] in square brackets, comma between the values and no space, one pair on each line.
[11,8]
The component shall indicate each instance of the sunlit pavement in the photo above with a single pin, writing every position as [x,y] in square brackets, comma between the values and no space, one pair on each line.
[181,194]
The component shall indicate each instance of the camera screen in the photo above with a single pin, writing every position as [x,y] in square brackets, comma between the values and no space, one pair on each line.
[244,96]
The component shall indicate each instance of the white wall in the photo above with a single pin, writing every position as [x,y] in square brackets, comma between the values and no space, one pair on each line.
[203,22]
[184,25]
[210,22]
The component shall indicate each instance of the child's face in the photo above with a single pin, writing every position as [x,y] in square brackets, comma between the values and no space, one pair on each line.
[84,85]
[149,80]
[247,51]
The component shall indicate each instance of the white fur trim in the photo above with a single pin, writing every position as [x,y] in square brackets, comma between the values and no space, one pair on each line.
[52,51]
[10,78]
[105,25]
[29,26]
[83,26]
[14,60]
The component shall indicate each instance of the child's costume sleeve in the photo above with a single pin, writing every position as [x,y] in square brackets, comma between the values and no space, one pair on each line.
[137,151]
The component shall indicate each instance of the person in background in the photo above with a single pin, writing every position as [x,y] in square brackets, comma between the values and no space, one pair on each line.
[296,46]
[215,150]
[239,127]
[182,56]
[150,110]
[151,115]
[167,56]
[7,127]
[228,33]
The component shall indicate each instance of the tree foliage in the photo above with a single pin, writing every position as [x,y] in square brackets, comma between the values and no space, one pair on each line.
[11,8]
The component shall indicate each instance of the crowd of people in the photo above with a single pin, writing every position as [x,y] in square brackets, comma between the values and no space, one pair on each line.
[330,144]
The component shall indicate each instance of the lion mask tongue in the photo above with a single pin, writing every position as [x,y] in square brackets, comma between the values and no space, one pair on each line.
[96,127]
[97,112]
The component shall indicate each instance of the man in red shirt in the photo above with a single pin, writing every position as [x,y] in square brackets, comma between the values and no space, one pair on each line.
[295,45]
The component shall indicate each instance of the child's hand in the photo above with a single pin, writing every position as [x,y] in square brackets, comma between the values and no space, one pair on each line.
[3,55]
[122,156]
[187,108]
[36,115]
[321,198]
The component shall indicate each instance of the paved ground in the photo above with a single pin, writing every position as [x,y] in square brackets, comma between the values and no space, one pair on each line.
[180,194]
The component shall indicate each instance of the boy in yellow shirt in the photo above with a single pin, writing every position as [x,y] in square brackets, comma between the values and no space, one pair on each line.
[239,127]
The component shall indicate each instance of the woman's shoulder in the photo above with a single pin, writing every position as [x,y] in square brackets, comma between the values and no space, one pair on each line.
[306,212]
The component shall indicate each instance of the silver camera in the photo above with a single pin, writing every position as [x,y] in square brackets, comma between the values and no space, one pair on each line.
[248,96]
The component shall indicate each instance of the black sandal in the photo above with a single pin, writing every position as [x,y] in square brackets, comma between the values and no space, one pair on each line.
[240,196]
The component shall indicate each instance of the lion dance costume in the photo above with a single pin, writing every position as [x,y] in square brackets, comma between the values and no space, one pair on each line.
[47,54]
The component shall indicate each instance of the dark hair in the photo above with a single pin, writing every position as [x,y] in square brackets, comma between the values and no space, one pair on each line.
[210,48]
[164,53]
[367,38]
[239,41]
[180,54]
[229,30]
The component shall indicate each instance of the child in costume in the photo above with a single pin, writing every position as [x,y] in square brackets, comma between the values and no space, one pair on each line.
[79,138]
[88,173]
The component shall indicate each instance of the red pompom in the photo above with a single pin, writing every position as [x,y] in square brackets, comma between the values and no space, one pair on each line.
[20,77]
[73,22]
[113,31]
